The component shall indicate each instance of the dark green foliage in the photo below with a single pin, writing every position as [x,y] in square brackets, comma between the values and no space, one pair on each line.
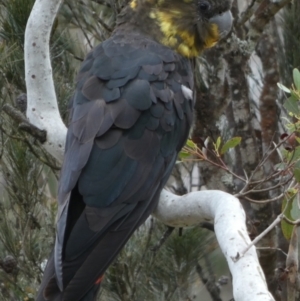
[27,186]
[13,19]
[27,214]
[143,272]
[14,15]
[12,67]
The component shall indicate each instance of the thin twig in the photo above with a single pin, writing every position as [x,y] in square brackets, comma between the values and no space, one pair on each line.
[266,10]
[271,248]
[30,146]
[43,160]
[259,237]
[79,24]
[281,184]
[265,201]
[105,26]
[24,125]
[101,2]
[210,284]
[80,59]
[165,236]
[277,220]
[246,15]
[141,263]
[295,223]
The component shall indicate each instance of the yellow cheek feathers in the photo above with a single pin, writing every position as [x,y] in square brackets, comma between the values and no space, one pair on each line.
[213,37]
[183,41]
[174,37]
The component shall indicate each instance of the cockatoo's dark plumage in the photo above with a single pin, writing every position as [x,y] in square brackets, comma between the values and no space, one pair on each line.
[131,113]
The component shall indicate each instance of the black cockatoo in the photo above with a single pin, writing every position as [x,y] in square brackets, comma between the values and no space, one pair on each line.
[131,113]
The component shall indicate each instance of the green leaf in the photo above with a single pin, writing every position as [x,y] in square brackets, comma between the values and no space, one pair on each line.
[295,210]
[184,154]
[286,228]
[291,105]
[280,166]
[283,88]
[296,78]
[231,143]
[190,143]
[294,95]
[218,143]
[295,155]
[296,171]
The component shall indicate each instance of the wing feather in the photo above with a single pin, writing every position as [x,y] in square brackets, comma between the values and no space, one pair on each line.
[129,118]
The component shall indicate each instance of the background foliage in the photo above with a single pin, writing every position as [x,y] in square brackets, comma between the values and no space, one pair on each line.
[238,101]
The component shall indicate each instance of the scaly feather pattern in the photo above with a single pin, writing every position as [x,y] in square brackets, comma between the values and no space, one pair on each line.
[130,115]
[129,119]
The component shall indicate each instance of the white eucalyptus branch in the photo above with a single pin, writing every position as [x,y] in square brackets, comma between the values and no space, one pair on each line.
[42,108]
[223,209]
[228,216]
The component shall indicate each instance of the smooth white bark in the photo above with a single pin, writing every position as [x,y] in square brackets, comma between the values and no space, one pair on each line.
[42,108]
[228,216]
[222,209]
